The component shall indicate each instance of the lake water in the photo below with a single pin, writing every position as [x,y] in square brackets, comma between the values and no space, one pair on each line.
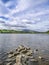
[11,41]
[34,41]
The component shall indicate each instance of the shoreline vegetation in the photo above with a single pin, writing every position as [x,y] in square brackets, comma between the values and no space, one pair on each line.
[25,32]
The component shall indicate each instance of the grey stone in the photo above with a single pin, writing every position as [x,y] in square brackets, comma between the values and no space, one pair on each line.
[10,55]
[9,63]
[21,47]
[16,53]
[33,62]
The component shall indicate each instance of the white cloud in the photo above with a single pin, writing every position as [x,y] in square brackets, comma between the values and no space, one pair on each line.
[33,14]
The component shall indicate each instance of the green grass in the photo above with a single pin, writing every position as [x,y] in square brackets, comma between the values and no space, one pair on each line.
[14,31]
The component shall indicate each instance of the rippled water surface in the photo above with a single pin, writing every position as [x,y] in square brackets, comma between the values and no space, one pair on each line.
[34,41]
[11,41]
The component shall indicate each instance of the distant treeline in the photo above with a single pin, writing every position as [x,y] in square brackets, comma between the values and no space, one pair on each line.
[14,31]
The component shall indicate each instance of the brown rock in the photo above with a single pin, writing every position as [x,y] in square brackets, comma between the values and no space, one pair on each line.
[29,53]
[16,53]
[24,51]
[21,47]
[18,60]
[10,55]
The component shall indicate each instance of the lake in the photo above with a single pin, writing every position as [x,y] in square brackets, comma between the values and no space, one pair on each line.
[34,41]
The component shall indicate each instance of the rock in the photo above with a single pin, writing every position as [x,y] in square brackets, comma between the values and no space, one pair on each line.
[21,60]
[1,63]
[41,58]
[16,53]
[8,60]
[16,49]
[29,53]
[10,55]
[31,57]
[9,63]
[21,56]
[21,47]
[11,52]
[14,64]
[28,48]
[18,60]
[33,62]
[36,49]
[24,51]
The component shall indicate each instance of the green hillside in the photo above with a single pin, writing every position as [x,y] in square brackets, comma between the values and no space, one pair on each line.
[14,31]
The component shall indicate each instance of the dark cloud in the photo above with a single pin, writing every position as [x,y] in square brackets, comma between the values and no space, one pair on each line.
[9,25]
[3,17]
[2,22]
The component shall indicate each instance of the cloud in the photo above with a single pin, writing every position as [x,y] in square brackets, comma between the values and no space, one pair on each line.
[24,14]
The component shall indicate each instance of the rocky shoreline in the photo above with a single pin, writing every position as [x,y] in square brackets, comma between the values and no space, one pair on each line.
[23,56]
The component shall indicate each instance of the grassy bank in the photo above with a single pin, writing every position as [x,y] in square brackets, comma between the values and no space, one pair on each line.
[14,31]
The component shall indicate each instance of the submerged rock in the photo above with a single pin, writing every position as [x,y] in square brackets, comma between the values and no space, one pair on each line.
[29,53]
[22,56]
[10,55]
[16,53]
[33,62]
[20,48]
[42,58]
[1,63]
[9,63]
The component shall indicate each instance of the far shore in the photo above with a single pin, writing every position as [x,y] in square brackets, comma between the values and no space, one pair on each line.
[21,32]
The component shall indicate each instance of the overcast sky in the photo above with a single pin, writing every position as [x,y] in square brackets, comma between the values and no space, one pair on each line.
[24,14]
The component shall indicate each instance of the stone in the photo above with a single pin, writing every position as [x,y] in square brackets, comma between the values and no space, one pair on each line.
[16,53]
[33,62]
[21,47]
[1,63]
[28,48]
[24,51]
[21,60]
[36,49]
[11,52]
[41,58]
[21,56]
[31,57]
[14,64]
[9,63]
[8,60]
[18,58]
[10,55]
[16,49]
[29,53]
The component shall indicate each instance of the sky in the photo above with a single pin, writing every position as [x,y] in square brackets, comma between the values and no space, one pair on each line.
[24,15]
